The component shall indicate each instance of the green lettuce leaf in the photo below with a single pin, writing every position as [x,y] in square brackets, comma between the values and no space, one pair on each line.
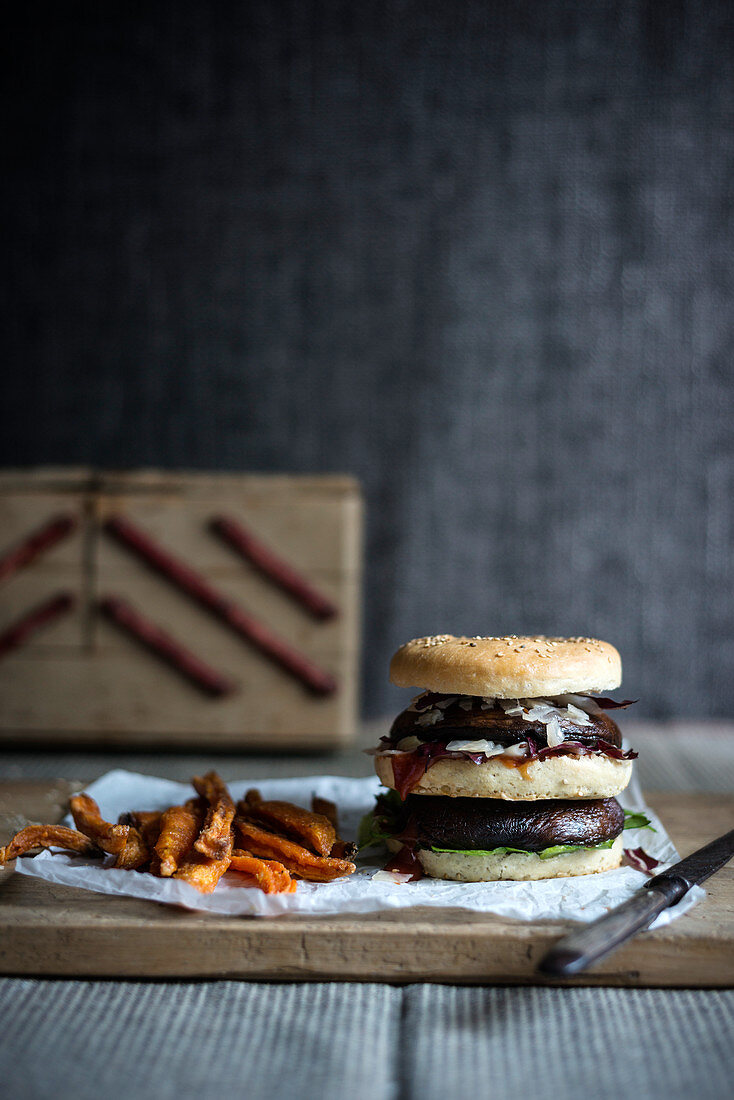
[546,853]
[559,849]
[370,833]
[481,852]
[634,820]
[382,822]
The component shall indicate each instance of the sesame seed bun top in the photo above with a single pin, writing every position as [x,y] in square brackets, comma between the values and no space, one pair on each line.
[511,667]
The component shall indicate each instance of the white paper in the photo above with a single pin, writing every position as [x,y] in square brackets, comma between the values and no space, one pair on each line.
[582,899]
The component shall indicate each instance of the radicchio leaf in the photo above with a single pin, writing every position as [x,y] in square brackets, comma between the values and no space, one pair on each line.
[578,749]
[640,860]
[408,768]
[614,752]
[607,704]
[406,862]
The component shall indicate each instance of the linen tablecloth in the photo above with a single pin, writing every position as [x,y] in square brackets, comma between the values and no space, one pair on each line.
[133,1040]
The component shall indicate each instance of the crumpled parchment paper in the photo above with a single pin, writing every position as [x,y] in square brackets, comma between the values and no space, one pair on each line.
[580,899]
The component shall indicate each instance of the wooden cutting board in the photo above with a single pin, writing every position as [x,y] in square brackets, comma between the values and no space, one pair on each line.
[55,930]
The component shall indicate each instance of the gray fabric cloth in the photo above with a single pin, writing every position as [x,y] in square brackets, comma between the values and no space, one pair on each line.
[371,1042]
[478,254]
[134,1041]
[567,1043]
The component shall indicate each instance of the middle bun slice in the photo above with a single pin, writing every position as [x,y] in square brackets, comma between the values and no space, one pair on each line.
[560,777]
[518,750]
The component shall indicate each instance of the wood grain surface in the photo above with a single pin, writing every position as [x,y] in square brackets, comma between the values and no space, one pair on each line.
[55,930]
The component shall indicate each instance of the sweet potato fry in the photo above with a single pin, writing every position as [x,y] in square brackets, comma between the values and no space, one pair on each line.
[179,829]
[315,830]
[271,877]
[326,808]
[197,805]
[148,824]
[134,854]
[122,841]
[88,820]
[341,849]
[294,857]
[47,836]
[215,834]
[344,849]
[202,872]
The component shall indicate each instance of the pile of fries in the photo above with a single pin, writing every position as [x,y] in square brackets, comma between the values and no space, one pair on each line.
[270,842]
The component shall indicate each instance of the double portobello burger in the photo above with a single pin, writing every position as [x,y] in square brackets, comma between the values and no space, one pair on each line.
[507,765]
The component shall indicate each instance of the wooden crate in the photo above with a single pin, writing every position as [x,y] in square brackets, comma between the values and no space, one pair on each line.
[81,679]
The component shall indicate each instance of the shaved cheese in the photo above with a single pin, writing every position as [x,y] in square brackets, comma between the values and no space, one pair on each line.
[539,710]
[489,748]
[549,712]
[443,703]
[409,743]
[520,749]
[580,717]
[580,702]
[553,732]
[395,877]
[429,717]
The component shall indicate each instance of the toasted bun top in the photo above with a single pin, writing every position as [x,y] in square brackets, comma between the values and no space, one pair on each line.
[511,667]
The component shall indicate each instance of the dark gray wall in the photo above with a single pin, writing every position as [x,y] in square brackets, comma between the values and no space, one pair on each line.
[479,254]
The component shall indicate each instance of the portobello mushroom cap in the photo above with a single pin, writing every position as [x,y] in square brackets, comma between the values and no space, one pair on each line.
[494,725]
[480,824]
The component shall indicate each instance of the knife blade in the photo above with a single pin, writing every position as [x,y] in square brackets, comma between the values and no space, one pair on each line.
[581,949]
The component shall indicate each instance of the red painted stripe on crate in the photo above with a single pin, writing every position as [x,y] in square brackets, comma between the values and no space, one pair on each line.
[24,628]
[273,567]
[159,642]
[36,543]
[191,582]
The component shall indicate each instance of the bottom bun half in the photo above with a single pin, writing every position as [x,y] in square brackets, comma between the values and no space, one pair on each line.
[491,867]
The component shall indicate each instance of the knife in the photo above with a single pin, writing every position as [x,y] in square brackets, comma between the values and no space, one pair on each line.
[582,948]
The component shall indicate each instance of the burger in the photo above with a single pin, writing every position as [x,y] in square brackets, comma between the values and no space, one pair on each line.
[508,764]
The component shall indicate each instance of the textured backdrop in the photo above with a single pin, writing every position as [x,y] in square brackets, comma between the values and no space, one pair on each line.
[480,255]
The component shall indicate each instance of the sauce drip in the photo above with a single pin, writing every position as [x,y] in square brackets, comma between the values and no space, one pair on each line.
[521,763]
[407,770]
